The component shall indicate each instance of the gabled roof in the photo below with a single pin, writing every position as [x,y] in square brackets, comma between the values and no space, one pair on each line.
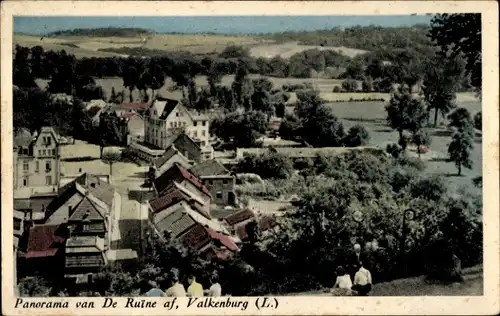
[164,106]
[200,235]
[86,183]
[45,240]
[174,194]
[87,210]
[209,168]
[169,153]
[239,217]
[175,172]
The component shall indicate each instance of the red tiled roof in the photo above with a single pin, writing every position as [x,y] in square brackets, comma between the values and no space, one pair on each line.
[213,252]
[224,239]
[127,115]
[198,236]
[134,106]
[239,217]
[267,222]
[172,195]
[168,176]
[44,241]
[241,232]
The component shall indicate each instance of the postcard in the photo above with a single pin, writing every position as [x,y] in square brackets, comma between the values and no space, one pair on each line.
[242,158]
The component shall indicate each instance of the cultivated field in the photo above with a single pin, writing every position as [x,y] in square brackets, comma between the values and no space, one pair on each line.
[286,50]
[82,46]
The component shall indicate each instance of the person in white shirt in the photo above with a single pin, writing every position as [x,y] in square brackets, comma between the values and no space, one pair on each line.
[362,281]
[343,283]
[215,289]
[177,289]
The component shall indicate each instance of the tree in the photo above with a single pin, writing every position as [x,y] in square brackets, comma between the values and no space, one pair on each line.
[367,84]
[440,85]
[461,120]
[107,133]
[478,121]
[357,136]
[460,34]
[355,69]
[459,150]
[242,129]
[420,138]
[21,72]
[110,158]
[131,73]
[405,113]
[34,287]
[350,85]
[291,127]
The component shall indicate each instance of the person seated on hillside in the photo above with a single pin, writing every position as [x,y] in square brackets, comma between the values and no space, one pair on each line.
[215,289]
[343,283]
[176,289]
[195,289]
[362,281]
[155,290]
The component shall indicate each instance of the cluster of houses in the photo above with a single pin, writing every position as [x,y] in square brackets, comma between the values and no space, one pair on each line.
[64,231]
[71,229]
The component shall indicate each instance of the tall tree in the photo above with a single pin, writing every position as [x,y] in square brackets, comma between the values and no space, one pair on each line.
[21,72]
[460,34]
[405,113]
[459,150]
[441,81]
[110,158]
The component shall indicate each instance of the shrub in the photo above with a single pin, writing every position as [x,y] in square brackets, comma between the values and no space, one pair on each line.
[394,150]
[357,136]
[350,85]
[269,165]
[337,89]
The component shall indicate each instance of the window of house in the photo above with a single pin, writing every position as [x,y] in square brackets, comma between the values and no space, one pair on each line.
[225,181]
[203,143]
[48,165]
[48,180]
[171,124]
[44,152]
[26,166]
[49,140]
[25,151]
[203,133]
[195,134]
[17,224]
[195,123]
[53,152]
[37,166]
[39,152]
[177,114]
[219,195]
[25,182]
[204,123]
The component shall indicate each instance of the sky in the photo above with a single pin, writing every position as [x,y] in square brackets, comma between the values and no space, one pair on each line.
[215,24]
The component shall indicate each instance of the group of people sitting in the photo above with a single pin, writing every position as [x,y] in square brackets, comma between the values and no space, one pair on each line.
[194,289]
[361,285]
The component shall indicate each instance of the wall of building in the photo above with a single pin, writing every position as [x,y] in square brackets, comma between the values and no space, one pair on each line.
[221,188]
[188,185]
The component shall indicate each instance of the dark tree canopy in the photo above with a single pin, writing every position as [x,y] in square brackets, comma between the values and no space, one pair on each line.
[458,34]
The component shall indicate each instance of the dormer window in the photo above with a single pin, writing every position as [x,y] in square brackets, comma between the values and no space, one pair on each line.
[25,151]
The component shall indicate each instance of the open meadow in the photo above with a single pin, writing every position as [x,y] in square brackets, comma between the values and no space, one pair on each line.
[200,44]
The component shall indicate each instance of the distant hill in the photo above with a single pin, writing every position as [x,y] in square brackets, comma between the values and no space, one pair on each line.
[103,32]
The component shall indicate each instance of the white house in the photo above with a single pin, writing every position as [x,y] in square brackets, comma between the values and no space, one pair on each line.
[167,116]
